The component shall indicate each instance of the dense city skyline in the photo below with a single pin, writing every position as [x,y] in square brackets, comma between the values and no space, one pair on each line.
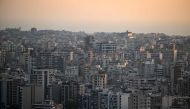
[167,16]
[94,54]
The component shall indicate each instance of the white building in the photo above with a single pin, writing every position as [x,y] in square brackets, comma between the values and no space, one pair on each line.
[125,100]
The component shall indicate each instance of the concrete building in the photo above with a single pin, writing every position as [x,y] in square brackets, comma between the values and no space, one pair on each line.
[184,85]
[47,104]
[109,100]
[149,69]
[106,47]
[71,71]
[32,94]
[139,100]
[156,101]
[99,80]
[10,92]
[69,94]
[89,42]
[43,77]
[159,71]
[125,100]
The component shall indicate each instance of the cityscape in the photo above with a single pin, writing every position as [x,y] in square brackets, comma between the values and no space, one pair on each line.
[47,61]
[46,69]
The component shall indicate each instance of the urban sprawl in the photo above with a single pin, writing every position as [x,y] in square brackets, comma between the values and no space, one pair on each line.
[53,69]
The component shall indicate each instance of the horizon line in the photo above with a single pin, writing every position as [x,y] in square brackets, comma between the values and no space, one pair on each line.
[88,32]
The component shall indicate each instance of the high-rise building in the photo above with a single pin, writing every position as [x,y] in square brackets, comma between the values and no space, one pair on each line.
[178,71]
[70,94]
[28,60]
[2,60]
[156,101]
[90,56]
[109,100]
[174,53]
[139,100]
[10,92]
[106,47]
[71,71]
[159,71]
[184,85]
[44,78]
[89,42]
[31,94]
[99,80]
[149,69]
[125,100]
[47,104]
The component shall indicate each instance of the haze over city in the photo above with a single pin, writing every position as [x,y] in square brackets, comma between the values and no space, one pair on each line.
[94,54]
[167,16]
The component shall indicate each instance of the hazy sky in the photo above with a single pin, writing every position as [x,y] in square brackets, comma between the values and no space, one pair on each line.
[168,16]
